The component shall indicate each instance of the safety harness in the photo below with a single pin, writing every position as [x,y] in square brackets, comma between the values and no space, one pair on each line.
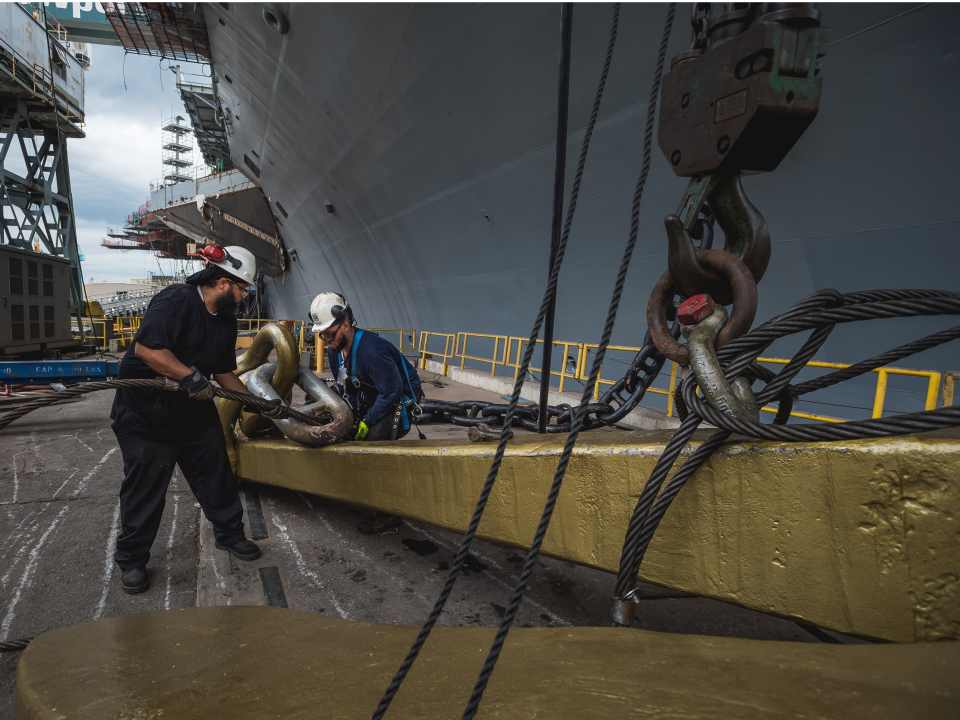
[401,416]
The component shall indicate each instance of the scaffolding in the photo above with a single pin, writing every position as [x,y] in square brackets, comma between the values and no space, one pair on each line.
[171,30]
[177,144]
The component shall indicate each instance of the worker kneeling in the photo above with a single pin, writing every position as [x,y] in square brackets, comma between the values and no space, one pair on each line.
[380,385]
[188,333]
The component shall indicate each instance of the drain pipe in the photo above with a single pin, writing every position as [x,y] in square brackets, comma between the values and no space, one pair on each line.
[563,98]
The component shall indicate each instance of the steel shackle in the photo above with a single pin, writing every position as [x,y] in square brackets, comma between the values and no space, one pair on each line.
[735,399]
[735,275]
[747,238]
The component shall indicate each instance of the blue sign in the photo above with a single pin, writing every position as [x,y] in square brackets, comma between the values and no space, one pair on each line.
[49,371]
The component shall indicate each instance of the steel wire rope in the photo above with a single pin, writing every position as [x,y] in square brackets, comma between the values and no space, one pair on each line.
[812,313]
[585,401]
[273,409]
[511,411]
[15,645]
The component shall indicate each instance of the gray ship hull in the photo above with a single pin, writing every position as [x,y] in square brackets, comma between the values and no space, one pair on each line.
[429,128]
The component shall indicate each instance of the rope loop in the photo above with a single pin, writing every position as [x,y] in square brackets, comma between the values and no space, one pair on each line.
[818,313]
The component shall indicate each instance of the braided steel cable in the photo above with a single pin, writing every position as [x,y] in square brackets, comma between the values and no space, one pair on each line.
[260,405]
[812,313]
[505,433]
[15,645]
[532,556]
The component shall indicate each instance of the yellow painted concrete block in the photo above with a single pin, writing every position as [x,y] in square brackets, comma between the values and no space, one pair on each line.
[248,663]
[861,537]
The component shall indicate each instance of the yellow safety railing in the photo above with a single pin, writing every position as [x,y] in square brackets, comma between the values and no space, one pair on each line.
[254,324]
[933,387]
[456,346]
[405,334]
[95,328]
[301,338]
[562,373]
[583,367]
[933,383]
[99,328]
[426,353]
[948,381]
[500,343]
[126,327]
[304,330]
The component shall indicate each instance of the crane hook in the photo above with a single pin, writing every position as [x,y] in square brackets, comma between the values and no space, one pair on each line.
[746,232]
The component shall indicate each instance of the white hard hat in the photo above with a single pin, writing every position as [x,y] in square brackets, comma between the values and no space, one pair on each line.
[234,259]
[326,309]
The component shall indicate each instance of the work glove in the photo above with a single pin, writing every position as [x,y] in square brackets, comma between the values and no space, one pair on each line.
[362,431]
[274,413]
[198,388]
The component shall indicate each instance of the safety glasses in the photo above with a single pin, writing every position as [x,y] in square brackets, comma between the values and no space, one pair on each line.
[331,333]
[244,289]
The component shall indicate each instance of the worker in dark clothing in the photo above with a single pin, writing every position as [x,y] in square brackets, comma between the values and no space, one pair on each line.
[380,385]
[188,333]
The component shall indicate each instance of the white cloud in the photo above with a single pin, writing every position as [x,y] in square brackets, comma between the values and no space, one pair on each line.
[112,167]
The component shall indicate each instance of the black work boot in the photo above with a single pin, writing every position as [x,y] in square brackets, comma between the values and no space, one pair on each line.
[242,549]
[134,581]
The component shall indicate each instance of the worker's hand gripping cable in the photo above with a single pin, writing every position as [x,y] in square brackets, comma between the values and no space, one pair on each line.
[273,409]
[197,386]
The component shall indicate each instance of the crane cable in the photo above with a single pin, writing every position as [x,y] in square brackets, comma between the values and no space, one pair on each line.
[549,294]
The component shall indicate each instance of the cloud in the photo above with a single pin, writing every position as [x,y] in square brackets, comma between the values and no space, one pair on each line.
[112,167]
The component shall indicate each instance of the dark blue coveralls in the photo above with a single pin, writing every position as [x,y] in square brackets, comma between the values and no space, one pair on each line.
[378,384]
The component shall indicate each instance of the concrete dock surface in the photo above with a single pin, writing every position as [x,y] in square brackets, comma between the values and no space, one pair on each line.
[59,514]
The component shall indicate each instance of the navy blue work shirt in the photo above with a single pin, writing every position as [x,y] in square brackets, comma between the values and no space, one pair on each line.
[380,365]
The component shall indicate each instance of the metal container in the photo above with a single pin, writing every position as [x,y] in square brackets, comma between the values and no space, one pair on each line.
[34,302]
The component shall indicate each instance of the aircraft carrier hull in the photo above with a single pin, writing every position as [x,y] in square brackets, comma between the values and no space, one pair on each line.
[408,153]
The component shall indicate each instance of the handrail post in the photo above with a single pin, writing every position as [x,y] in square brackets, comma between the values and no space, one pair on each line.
[673,388]
[881,393]
[932,387]
[948,382]
[563,97]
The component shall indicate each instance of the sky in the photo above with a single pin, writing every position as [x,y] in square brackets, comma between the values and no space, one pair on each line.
[112,167]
